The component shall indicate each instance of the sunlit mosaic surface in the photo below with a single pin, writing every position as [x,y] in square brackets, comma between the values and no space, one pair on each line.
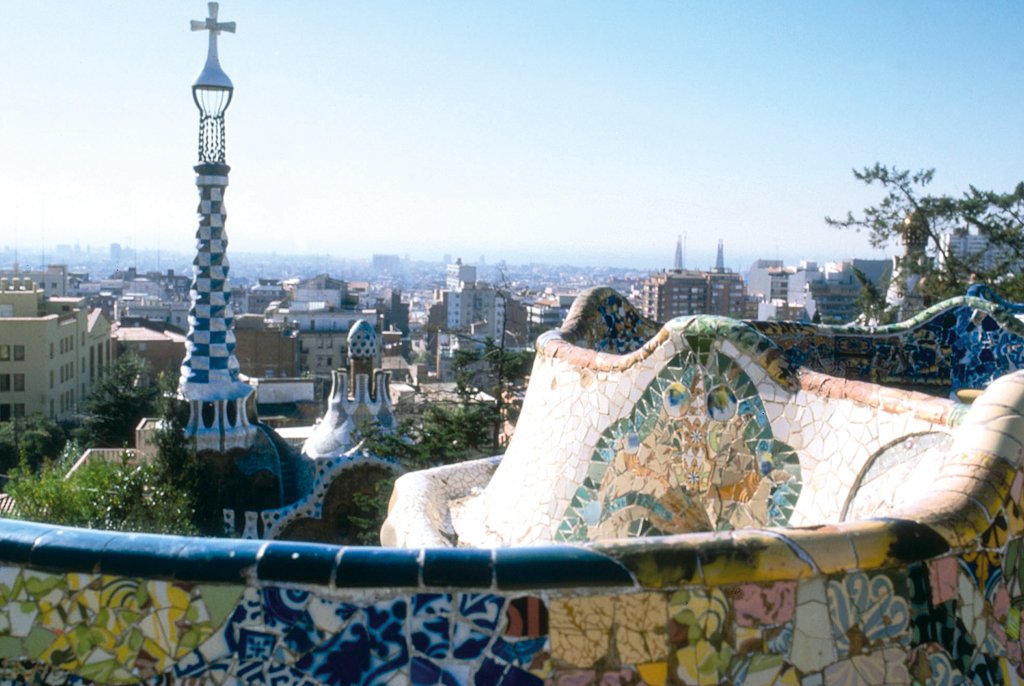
[708,425]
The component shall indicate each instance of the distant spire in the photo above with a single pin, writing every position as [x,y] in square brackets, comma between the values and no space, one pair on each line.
[678,264]
[720,259]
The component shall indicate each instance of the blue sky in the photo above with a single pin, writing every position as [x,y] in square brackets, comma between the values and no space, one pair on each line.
[590,132]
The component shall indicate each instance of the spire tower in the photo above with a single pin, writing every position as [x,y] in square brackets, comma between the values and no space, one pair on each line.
[210,371]
[678,264]
[720,258]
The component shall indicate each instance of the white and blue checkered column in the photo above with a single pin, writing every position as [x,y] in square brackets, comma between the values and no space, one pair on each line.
[210,369]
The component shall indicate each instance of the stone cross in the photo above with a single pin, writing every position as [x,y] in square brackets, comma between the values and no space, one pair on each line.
[213,26]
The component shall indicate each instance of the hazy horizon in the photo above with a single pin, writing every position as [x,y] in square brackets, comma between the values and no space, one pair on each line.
[30,258]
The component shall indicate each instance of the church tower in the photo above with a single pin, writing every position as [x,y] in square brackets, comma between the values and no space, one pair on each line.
[209,379]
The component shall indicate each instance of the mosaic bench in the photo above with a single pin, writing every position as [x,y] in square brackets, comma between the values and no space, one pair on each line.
[706,423]
[904,586]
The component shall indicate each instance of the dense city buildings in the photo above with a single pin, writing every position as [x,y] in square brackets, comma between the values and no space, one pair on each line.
[830,293]
[294,323]
[476,308]
[52,281]
[972,248]
[547,310]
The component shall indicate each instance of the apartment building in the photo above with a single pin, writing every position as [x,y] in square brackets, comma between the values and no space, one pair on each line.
[52,351]
[677,293]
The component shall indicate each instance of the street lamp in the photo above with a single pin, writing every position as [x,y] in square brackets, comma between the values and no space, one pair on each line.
[212,91]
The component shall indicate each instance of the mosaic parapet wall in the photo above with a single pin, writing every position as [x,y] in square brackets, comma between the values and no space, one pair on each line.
[931,594]
[964,342]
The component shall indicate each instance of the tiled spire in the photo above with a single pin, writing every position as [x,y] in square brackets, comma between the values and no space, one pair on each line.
[210,369]
[209,373]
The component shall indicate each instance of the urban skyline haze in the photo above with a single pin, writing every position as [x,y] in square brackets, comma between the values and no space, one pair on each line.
[582,132]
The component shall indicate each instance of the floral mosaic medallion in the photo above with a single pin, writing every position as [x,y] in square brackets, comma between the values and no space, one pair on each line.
[721,403]
[695,454]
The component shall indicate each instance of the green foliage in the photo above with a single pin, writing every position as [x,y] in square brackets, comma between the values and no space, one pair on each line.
[871,301]
[119,400]
[177,464]
[450,434]
[496,371]
[373,508]
[906,207]
[157,497]
[443,435]
[32,439]
[100,495]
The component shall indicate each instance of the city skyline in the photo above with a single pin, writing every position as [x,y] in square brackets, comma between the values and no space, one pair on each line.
[528,132]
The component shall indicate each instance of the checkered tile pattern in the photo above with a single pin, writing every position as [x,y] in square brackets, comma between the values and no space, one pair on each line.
[210,346]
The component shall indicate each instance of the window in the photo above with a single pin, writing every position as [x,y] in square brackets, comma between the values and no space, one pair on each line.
[5,413]
[5,383]
[19,382]
[5,353]
[19,353]
[19,409]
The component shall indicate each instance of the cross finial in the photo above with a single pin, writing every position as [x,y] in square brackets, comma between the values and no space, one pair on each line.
[212,25]
[212,75]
